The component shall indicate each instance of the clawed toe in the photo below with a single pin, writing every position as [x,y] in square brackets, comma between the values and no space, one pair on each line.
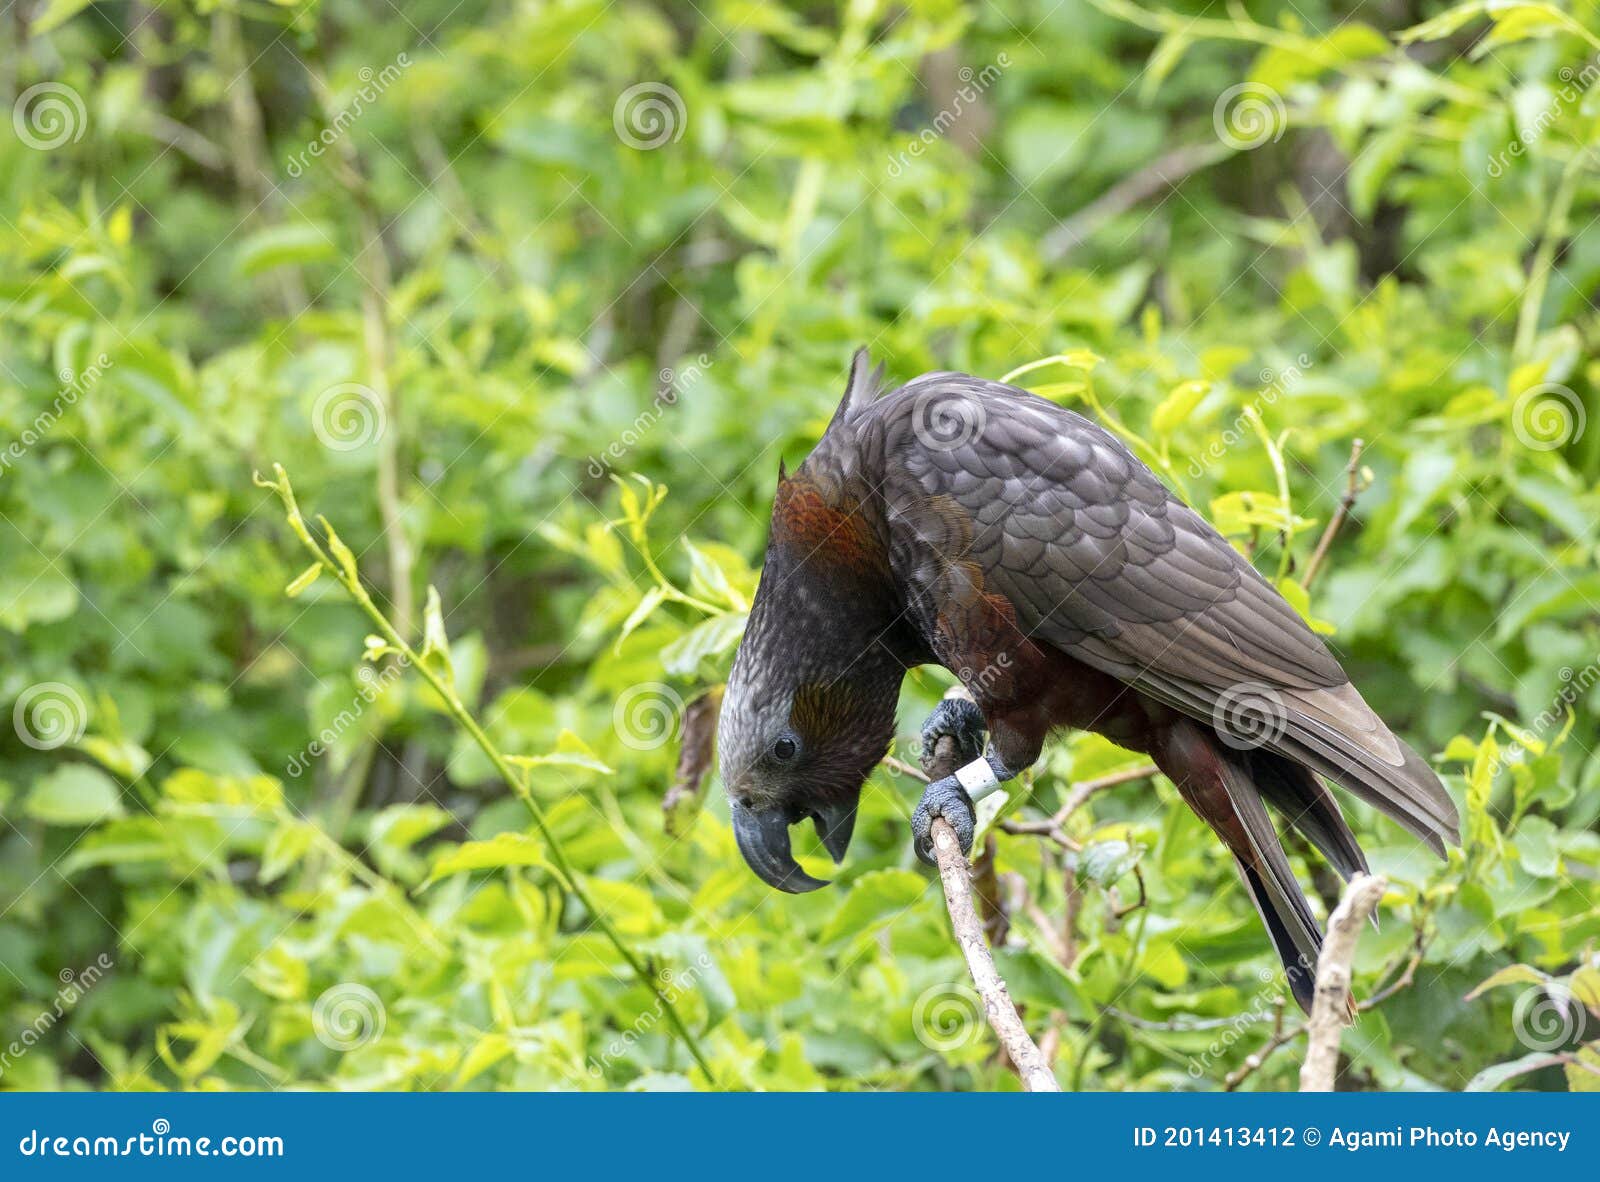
[961,719]
[948,799]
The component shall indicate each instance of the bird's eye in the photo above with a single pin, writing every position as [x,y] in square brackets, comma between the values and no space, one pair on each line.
[784,748]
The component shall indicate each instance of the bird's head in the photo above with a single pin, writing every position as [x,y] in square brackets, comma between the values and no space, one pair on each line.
[795,745]
[809,709]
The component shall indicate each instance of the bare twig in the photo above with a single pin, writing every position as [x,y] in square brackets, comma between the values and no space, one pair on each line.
[903,768]
[1330,1006]
[1161,173]
[1077,796]
[1281,1037]
[1019,1047]
[1352,489]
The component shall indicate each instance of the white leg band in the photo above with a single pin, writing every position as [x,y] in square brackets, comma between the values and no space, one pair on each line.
[978,779]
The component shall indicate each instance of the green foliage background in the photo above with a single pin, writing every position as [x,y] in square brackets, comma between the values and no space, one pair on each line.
[531,324]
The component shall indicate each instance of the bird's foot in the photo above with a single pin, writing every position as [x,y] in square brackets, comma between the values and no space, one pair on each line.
[961,719]
[948,799]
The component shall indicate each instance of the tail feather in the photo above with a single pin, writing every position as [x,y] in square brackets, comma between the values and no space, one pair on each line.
[1299,971]
[1273,887]
[1336,734]
[1305,803]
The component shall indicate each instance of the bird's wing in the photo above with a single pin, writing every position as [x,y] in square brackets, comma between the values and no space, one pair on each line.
[1100,560]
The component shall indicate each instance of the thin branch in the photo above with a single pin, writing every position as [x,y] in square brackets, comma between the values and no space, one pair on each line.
[1330,1006]
[338,561]
[1078,795]
[1352,489]
[1029,1061]
[1161,173]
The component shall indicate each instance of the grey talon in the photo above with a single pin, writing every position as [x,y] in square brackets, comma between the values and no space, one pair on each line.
[948,799]
[961,719]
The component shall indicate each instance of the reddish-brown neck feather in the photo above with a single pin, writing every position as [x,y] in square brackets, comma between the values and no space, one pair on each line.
[825,533]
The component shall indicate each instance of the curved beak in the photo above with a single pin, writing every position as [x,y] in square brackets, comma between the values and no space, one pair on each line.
[763,837]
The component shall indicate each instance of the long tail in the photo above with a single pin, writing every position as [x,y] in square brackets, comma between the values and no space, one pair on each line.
[1229,790]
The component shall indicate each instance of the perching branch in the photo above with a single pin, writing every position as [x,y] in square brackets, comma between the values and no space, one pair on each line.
[1331,1003]
[338,561]
[1002,1014]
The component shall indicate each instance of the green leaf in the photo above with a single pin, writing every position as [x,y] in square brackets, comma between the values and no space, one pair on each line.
[74,794]
[876,897]
[284,246]
[1177,406]
[498,853]
[56,13]
[304,580]
[1516,974]
[435,644]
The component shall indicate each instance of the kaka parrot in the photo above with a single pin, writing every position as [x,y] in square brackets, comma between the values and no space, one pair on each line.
[974,525]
